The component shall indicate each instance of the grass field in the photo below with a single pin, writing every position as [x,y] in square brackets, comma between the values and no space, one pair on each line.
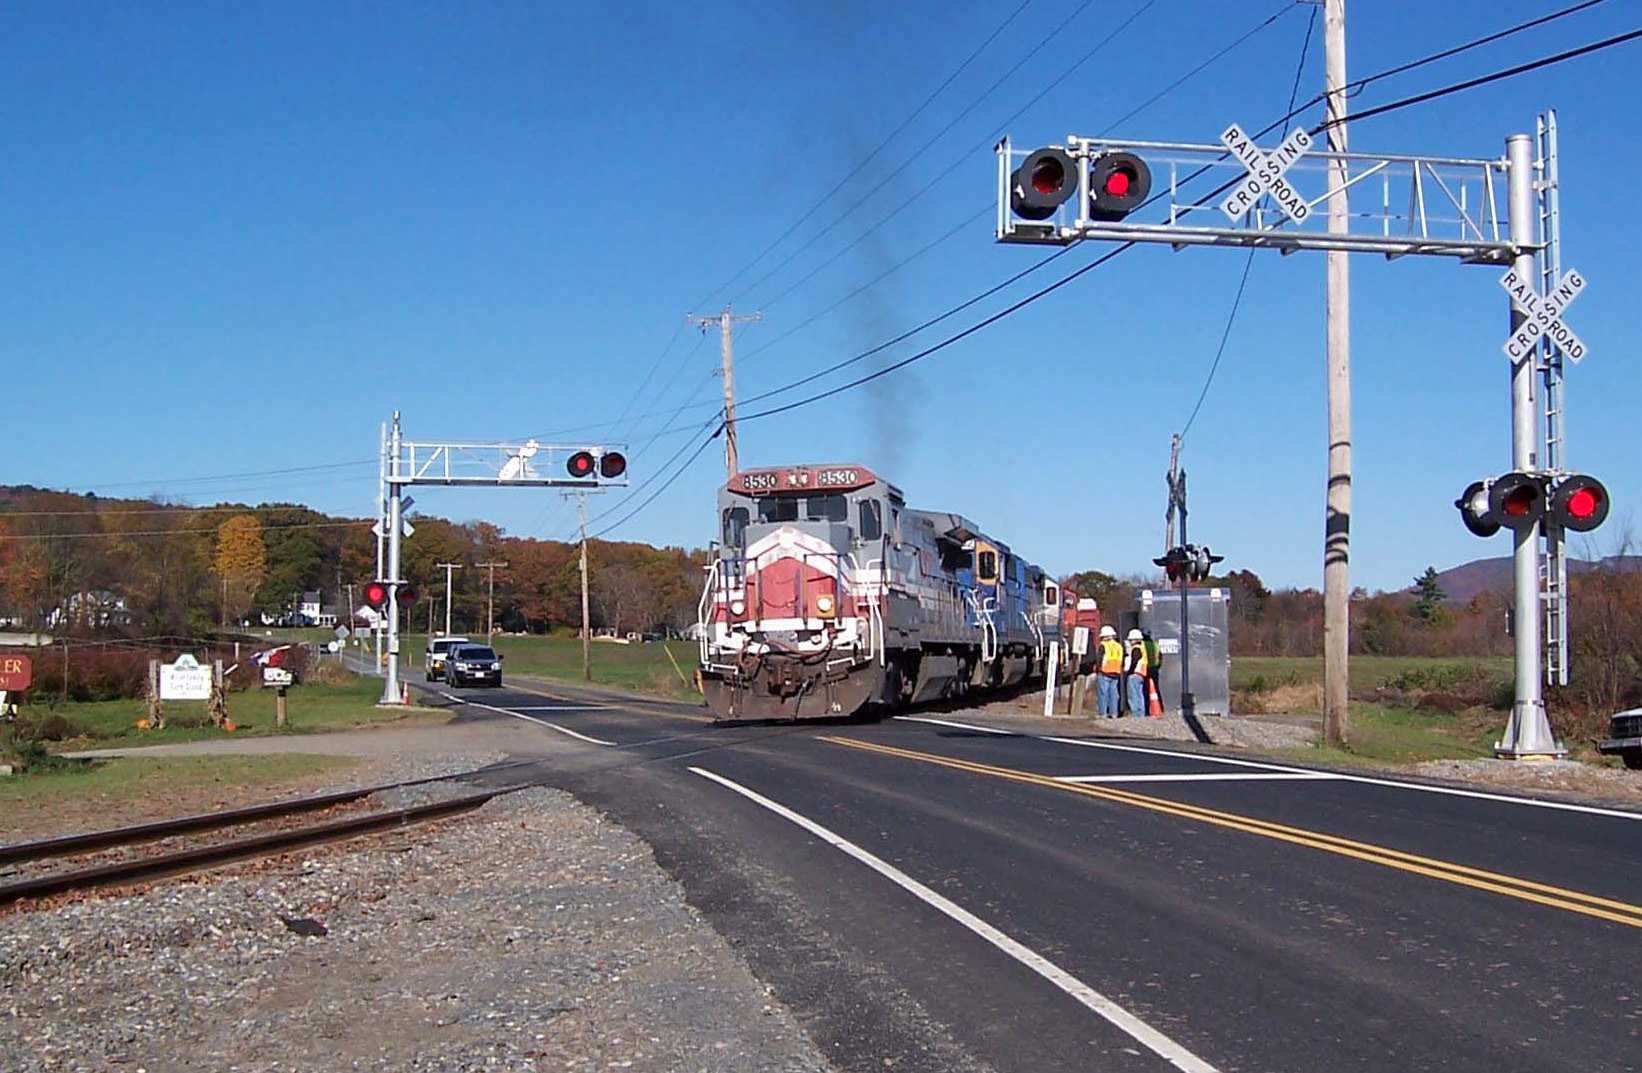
[1366,672]
[642,668]
[310,707]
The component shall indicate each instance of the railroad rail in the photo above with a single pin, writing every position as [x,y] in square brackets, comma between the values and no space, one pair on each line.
[161,865]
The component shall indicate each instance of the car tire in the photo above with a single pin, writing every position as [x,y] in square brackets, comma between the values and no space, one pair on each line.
[1632,758]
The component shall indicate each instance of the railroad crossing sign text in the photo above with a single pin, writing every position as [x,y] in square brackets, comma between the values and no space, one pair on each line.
[1543,316]
[1265,173]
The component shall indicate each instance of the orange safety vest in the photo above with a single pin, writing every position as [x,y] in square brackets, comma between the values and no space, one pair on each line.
[1111,657]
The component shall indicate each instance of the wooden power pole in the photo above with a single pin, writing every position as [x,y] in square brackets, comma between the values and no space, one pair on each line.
[1337,524]
[725,320]
[490,597]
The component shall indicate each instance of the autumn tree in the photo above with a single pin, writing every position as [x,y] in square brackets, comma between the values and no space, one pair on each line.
[241,562]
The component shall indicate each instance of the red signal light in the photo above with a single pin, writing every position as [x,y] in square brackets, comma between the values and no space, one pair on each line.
[1049,176]
[580,464]
[1580,503]
[376,594]
[407,594]
[1519,502]
[1117,183]
[612,464]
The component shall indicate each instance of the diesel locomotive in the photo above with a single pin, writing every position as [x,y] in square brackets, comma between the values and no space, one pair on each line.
[827,593]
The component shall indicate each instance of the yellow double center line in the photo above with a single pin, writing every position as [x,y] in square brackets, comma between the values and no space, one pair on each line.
[1511,886]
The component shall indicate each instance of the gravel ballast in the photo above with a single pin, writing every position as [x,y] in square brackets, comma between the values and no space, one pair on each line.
[530,935]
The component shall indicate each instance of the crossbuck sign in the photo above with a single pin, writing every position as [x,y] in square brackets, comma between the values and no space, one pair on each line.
[1543,316]
[1265,174]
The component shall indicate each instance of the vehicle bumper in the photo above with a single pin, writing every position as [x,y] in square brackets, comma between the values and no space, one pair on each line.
[1618,746]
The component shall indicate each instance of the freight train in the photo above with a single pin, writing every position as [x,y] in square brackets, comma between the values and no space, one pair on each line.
[827,594]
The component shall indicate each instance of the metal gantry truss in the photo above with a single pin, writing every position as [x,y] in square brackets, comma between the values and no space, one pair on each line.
[465,463]
[489,463]
[1425,205]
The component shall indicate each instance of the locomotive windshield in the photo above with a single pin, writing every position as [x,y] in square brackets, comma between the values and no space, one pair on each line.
[828,508]
[735,526]
[872,520]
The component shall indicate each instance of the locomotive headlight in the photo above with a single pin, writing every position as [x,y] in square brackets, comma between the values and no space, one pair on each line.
[824,606]
[738,607]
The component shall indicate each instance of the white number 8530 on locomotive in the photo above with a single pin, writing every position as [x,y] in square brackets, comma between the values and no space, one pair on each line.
[827,594]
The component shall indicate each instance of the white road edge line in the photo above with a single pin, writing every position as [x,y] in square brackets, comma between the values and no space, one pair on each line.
[527,718]
[1212,776]
[1560,806]
[1134,1027]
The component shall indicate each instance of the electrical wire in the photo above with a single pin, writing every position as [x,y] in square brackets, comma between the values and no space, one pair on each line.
[918,153]
[1482,80]
[1248,263]
[916,112]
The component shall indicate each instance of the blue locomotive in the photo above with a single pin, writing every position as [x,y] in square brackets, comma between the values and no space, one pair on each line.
[828,594]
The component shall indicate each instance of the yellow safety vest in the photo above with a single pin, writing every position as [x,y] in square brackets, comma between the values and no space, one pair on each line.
[1138,650]
[1111,657]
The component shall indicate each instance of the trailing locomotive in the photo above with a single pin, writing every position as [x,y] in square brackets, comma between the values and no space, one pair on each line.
[827,594]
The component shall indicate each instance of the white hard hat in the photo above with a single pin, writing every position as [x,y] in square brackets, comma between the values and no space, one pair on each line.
[1107,631]
[1136,635]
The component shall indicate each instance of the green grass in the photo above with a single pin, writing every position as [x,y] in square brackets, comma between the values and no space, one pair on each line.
[1398,736]
[642,668]
[310,707]
[1365,673]
[126,779]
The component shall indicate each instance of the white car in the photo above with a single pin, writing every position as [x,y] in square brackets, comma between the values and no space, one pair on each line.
[437,654]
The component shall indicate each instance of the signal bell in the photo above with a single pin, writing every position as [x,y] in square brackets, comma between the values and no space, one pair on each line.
[1045,181]
[1119,183]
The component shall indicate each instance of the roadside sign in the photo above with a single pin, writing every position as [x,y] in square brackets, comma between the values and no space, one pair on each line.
[186,679]
[333,646]
[342,633]
[1543,316]
[1080,641]
[16,673]
[1265,174]
[277,676]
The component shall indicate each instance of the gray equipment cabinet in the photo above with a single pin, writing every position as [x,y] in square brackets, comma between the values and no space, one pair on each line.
[1209,613]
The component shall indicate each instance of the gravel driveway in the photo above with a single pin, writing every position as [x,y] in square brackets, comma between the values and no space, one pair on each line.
[530,935]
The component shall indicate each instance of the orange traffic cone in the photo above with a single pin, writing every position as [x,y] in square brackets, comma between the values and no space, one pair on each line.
[1154,703]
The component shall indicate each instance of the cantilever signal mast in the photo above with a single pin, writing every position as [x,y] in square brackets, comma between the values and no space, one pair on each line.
[725,320]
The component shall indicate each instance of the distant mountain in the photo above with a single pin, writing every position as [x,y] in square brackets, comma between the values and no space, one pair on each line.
[1462,583]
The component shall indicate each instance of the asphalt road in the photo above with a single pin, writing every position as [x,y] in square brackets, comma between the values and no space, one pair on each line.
[931,896]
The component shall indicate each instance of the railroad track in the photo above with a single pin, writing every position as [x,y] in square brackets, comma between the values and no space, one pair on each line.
[193,858]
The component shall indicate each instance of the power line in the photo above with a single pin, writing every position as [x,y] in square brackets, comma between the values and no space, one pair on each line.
[918,153]
[916,112]
[1248,263]
[230,476]
[1482,80]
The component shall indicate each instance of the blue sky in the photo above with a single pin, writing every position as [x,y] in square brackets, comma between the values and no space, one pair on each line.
[237,239]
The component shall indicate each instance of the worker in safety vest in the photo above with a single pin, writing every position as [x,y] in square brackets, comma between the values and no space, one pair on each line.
[1109,672]
[1154,670]
[1137,673]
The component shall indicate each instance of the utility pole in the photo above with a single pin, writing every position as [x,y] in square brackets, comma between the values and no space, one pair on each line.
[448,568]
[490,597]
[1337,519]
[724,320]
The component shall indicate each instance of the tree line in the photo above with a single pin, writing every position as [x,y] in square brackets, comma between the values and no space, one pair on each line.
[80,564]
